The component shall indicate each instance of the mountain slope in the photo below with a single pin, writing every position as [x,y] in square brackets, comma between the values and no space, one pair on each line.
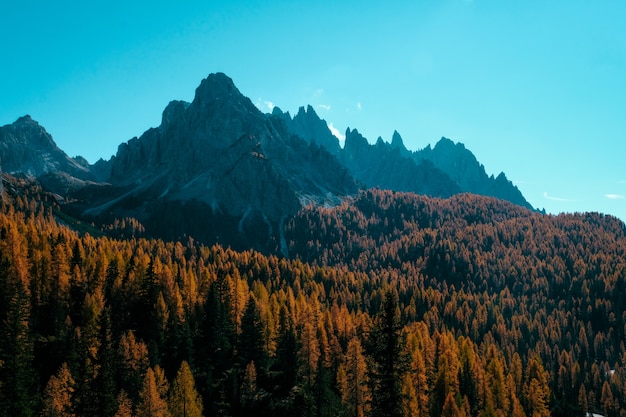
[222,171]
[442,171]
[514,312]
[463,168]
[26,147]
[220,159]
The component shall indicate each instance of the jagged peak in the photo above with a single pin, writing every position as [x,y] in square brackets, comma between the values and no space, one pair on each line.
[25,119]
[397,142]
[174,111]
[380,141]
[444,142]
[308,112]
[28,121]
[276,111]
[354,139]
[216,86]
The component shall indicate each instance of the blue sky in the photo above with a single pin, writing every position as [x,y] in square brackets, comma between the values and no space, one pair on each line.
[536,89]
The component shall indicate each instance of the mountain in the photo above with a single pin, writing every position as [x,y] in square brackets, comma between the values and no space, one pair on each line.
[442,171]
[218,167]
[462,167]
[26,147]
[220,170]
[308,125]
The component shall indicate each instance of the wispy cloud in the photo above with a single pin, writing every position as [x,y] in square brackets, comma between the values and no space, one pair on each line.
[358,105]
[317,93]
[614,196]
[552,198]
[324,106]
[336,132]
[264,105]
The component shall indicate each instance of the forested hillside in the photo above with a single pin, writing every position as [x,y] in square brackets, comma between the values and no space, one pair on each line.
[390,304]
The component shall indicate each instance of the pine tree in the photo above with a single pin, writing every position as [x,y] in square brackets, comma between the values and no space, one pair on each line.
[58,395]
[353,381]
[251,345]
[151,402]
[536,390]
[124,405]
[184,400]
[451,408]
[249,387]
[17,389]
[388,363]
[133,364]
[286,364]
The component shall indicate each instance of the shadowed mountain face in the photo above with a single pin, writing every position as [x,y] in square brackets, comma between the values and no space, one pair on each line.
[221,171]
[26,147]
[442,171]
[218,169]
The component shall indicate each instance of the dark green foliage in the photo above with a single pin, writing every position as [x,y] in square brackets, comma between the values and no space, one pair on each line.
[17,377]
[388,365]
[251,342]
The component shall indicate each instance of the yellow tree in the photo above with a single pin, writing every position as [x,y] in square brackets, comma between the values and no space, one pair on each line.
[353,380]
[451,408]
[58,401]
[184,400]
[151,403]
[415,381]
[536,390]
[124,405]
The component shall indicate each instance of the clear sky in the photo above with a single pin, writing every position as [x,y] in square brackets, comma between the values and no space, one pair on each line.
[534,88]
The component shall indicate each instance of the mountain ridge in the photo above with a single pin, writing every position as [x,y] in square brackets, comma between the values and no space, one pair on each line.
[220,169]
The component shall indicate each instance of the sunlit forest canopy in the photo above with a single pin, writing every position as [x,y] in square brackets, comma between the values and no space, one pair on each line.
[389,304]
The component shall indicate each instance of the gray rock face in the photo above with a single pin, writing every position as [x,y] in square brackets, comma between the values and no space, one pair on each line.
[390,166]
[308,125]
[446,170]
[217,167]
[26,147]
[462,167]
[221,150]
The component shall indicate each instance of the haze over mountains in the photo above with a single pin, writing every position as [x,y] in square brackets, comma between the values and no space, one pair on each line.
[221,170]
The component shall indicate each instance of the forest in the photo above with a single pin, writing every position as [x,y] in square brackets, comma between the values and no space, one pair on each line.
[390,304]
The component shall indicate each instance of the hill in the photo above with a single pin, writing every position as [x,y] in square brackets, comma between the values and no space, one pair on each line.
[393,304]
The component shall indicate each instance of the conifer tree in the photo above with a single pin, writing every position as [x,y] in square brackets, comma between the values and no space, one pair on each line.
[536,390]
[151,402]
[388,362]
[353,381]
[58,395]
[17,387]
[251,340]
[184,400]
[124,405]
[133,364]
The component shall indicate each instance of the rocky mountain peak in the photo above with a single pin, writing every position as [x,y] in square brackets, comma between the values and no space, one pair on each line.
[310,127]
[25,146]
[462,167]
[174,112]
[397,142]
[354,141]
[217,86]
